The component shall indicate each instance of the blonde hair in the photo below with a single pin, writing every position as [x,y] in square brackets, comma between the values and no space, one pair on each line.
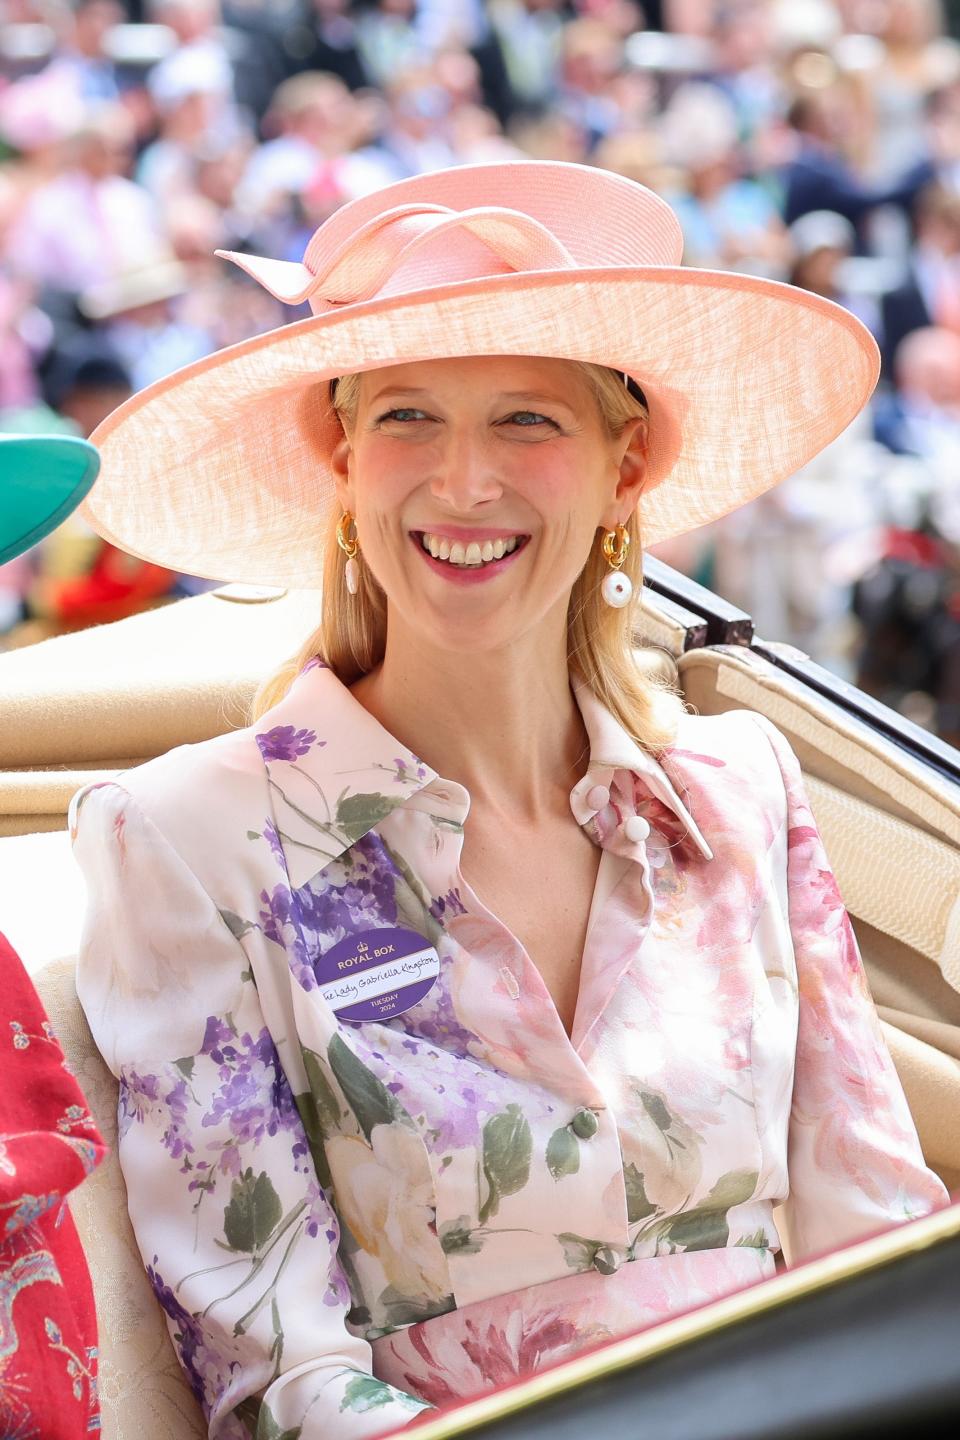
[638,686]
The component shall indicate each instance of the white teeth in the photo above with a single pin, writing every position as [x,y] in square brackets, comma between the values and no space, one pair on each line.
[474,553]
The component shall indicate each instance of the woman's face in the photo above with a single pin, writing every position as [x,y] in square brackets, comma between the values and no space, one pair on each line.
[477,486]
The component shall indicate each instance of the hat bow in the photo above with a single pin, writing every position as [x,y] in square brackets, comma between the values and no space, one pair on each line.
[362,265]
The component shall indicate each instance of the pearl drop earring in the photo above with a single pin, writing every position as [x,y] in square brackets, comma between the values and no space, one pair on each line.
[349,546]
[616,588]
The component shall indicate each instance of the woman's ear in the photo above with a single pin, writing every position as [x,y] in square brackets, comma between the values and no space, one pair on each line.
[630,458]
[340,464]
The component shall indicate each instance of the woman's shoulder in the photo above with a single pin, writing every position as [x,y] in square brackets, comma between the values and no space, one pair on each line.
[193,795]
[741,748]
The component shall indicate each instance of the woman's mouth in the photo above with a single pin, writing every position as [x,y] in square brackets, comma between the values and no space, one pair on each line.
[463,559]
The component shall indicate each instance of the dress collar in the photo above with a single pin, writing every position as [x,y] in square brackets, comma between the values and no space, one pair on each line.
[612,749]
[335,772]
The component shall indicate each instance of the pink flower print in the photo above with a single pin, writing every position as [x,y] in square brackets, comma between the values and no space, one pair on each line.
[284,742]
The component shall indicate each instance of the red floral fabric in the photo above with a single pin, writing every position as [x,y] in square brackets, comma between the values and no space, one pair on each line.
[48,1144]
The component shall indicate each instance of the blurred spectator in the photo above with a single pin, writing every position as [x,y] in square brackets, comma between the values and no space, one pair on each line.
[729,221]
[88,223]
[85,28]
[929,293]
[823,244]
[530,36]
[818,176]
[329,42]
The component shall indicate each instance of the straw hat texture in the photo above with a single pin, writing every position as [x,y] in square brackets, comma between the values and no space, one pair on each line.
[222,469]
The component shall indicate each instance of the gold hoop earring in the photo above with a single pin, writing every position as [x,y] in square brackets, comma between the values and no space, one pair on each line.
[616,589]
[350,546]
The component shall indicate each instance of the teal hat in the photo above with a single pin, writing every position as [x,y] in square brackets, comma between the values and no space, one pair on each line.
[42,479]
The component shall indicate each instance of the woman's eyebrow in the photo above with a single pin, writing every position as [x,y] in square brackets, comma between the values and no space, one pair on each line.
[397,390]
[540,397]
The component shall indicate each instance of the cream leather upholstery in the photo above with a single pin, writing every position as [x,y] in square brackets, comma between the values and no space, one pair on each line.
[144,1395]
[84,703]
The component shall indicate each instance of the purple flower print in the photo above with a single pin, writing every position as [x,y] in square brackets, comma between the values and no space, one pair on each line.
[146,1095]
[408,771]
[347,896]
[273,840]
[283,742]
[253,1097]
[446,906]
[208,1373]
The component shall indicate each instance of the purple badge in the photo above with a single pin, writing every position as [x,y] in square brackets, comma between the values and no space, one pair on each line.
[377,974]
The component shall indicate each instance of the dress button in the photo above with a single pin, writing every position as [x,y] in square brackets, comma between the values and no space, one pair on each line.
[607,1260]
[635,828]
[584,1124]
[598,797]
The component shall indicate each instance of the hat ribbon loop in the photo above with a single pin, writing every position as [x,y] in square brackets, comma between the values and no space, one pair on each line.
[362,265]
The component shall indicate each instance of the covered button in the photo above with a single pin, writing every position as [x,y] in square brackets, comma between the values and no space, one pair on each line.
[636,829]
[598,797]
[584,1124]
[607,1260]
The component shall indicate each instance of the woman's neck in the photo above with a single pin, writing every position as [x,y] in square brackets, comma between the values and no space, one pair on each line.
[504,724]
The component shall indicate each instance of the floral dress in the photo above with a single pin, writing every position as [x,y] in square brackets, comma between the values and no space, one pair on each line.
[347,1214]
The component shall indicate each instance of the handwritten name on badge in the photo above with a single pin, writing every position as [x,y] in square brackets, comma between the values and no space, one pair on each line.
[377,974]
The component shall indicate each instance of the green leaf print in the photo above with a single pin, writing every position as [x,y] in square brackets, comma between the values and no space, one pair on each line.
[366,1392]
[257,1419]
[638,1206]
[578,1252]
[733,1189]
[656,1109]
[507,1148]
[757,1241]
[253,1213]
[370,1101]
[456,1237]
[356,814]
[705,1227]
[237,926]
[328,1106]
[413,902]
[563,1153]
[307,1110]
[320,1112]
[698,1229]
[185,1066]
[400,1310]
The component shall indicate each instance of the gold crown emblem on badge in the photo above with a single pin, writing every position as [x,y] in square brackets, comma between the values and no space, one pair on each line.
[362,947]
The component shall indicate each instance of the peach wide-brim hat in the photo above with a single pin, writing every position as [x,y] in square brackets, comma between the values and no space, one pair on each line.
[223,468]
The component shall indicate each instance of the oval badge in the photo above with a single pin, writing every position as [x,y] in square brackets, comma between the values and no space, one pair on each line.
[377,974]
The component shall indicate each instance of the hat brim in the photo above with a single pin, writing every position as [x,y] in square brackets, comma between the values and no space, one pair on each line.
[222,469]
[44,478]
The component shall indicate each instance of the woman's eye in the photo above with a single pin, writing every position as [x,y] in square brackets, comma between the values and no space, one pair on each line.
[529,419]
[403,414]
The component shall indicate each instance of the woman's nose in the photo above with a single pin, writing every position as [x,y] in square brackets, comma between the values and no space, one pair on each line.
[464,475]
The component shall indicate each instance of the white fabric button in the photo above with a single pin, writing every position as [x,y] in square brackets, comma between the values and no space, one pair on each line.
[635,828]
[598,797]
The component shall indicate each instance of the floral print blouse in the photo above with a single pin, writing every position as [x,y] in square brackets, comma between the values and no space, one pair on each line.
[346,1220]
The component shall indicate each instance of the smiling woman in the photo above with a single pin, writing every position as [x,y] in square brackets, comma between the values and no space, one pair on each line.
[477,1003]
[352,631]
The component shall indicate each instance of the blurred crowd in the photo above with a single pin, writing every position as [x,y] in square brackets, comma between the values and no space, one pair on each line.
[812,141]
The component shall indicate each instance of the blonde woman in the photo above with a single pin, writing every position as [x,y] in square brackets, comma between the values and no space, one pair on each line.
[477,1003]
